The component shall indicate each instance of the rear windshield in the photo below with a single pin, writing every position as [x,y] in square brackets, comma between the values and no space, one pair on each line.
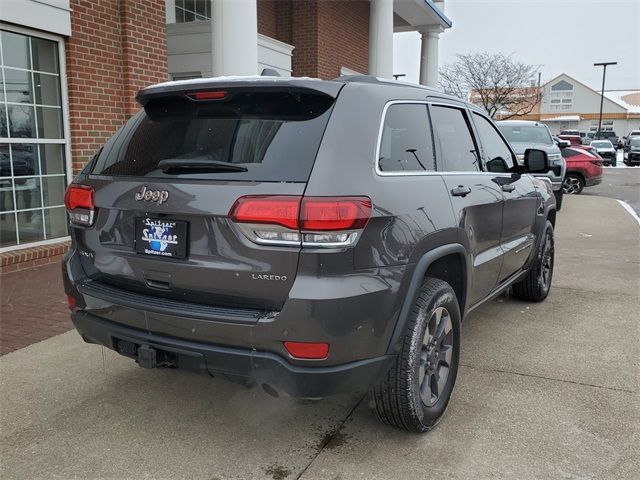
[275,136]
[526,134]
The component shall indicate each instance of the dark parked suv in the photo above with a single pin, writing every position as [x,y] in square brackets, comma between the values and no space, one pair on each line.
[312,237]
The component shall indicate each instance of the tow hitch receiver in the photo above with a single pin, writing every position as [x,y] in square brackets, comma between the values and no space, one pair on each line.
[147,356]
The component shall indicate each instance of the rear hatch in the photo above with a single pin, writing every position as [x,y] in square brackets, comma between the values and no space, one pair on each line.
[165,184]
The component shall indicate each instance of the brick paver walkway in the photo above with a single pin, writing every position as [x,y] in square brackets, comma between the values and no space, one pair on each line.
[33,307]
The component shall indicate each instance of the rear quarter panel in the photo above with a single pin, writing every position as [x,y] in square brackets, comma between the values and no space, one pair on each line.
[411,215]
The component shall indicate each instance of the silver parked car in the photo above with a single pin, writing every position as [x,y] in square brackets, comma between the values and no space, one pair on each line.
[607,151]
[525,134]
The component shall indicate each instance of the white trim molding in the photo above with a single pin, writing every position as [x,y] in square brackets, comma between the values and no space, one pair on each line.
[53,16]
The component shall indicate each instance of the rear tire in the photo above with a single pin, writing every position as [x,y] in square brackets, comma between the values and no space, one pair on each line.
[573,184]
[415,392]
[536,285]
[559,194]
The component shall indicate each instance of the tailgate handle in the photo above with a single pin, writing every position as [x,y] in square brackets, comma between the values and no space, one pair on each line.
[158,284]
[159,280]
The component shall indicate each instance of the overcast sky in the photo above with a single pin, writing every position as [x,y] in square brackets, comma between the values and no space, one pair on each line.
[563,36]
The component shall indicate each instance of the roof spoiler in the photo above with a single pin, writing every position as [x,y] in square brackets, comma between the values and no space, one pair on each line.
[254,83]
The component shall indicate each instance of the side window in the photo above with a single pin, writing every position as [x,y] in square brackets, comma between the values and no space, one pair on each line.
[497,155]
[406,144]
[568,152]
[451,131]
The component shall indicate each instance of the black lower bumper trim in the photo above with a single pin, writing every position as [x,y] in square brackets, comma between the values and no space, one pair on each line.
[243,366]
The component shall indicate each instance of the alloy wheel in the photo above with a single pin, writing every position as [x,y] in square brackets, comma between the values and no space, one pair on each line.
[435,356]
[571,185]
[547,261]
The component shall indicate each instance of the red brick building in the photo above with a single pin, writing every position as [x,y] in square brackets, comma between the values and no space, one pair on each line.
[70,70]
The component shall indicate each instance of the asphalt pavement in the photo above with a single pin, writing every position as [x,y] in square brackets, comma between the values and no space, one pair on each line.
[545,390]
[619,183]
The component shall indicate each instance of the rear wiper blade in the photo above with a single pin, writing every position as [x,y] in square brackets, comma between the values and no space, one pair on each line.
[198,165]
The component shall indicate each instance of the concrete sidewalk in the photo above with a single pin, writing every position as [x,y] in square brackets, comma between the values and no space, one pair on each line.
[546,390]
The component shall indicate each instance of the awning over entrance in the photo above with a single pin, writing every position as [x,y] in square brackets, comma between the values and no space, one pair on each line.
[428,18]
[414,15]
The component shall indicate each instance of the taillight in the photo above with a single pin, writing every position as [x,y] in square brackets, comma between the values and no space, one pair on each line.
[275,210]
[71,302]
[307,350]
[342,213]
[79,202]
[307,221]
[597,162]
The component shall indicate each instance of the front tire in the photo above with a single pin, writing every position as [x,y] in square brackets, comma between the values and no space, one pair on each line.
[559,194]
[573,184]
[416,391]
[536,285]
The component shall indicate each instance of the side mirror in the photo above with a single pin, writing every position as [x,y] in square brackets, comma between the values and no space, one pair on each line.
[536,161]
[564,144]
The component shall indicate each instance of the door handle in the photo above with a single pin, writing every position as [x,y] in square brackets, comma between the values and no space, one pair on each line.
[508,187]
[460,191]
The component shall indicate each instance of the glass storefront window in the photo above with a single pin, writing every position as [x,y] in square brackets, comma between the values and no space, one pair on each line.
[33,161]
[192,10]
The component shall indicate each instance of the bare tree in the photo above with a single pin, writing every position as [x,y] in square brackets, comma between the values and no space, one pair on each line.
[493,81]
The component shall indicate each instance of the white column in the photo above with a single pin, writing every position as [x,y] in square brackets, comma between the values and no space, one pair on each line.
[234,36]
[429,57]
[381,38]
[170,11]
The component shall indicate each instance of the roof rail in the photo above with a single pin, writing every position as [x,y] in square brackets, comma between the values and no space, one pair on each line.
[359,79]
[379,80]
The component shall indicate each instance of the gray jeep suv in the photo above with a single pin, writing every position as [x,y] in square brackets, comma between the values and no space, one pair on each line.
[311,237]
[524,134]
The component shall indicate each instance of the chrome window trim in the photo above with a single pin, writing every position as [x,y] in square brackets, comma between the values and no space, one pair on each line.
[376,160]
[416,173]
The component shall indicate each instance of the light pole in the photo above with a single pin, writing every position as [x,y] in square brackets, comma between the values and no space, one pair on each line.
[604,75]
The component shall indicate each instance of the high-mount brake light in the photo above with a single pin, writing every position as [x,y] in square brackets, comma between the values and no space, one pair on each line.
[306,221]
[80,204]
[211,95]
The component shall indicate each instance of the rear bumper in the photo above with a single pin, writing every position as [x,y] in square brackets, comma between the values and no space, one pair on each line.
[591,181]
[248,367]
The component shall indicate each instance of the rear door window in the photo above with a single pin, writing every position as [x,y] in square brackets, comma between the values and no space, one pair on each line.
[452,134]
[275,136]
[569,152]
[406,144]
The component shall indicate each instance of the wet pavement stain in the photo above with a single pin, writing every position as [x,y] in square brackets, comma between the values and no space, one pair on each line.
[277,472]
[337,440]
[333,439]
